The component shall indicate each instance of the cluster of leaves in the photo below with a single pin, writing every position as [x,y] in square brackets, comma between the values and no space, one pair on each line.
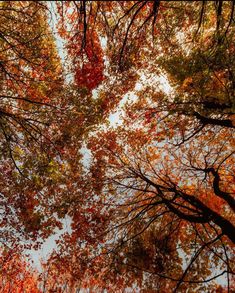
[16,274]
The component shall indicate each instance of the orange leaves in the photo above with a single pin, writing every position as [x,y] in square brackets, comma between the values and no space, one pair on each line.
[187,84]
[16,276]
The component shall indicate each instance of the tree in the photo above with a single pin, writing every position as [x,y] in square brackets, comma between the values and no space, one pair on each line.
[30,68]
[30,78]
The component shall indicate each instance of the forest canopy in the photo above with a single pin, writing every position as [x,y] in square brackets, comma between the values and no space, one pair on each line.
[117,138]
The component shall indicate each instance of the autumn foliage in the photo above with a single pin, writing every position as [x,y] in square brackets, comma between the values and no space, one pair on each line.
[117,141]
[16,274]
[88,63]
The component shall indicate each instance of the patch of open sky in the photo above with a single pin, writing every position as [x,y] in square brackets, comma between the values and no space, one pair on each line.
[160,81]
[86,160]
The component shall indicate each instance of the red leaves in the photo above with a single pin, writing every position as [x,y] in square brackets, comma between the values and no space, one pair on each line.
[88,61]
[90,75]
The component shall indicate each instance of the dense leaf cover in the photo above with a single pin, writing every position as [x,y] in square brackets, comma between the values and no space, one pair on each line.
[149,201]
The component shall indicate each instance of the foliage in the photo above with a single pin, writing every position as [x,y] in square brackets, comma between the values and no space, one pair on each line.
[153,207]
[15,274]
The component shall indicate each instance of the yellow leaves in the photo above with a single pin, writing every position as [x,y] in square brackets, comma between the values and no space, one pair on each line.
[37,181]
[54,172]
[18,152]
